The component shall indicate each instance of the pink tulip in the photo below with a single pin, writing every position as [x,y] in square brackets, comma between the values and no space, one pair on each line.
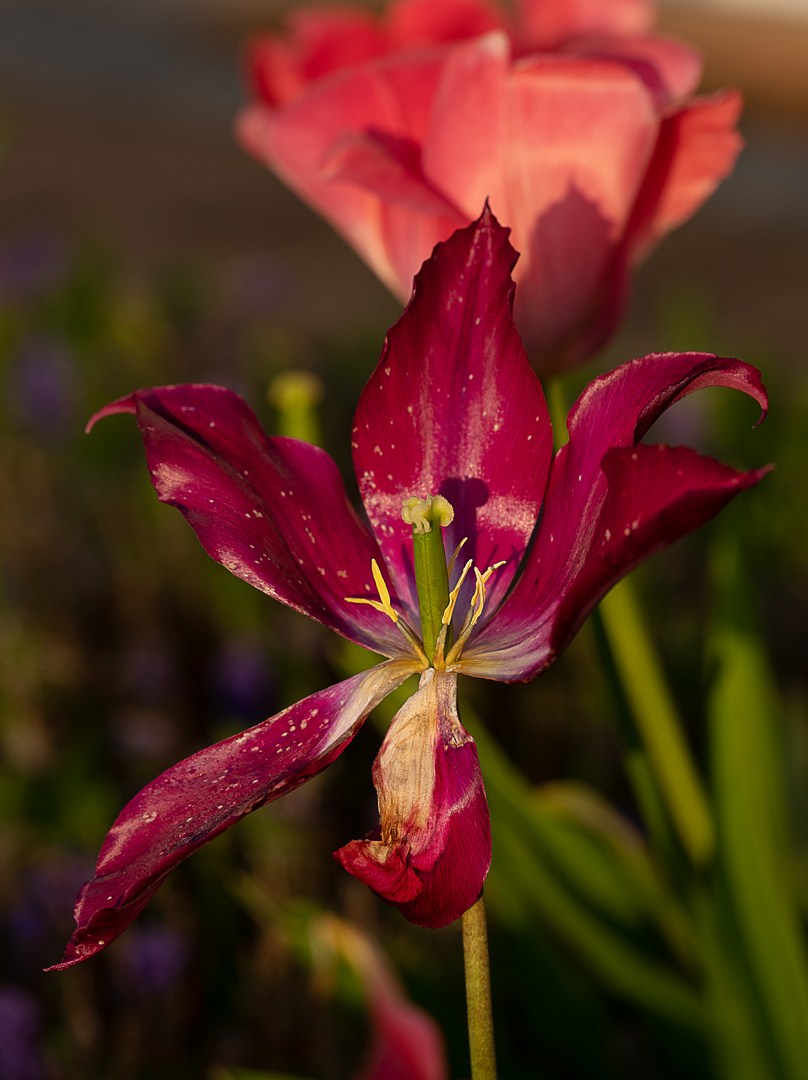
[576,122]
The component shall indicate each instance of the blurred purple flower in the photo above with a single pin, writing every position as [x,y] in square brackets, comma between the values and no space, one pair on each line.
[242,683]
[31,265]
[42,386]
[256,286]
[44,893]
[154,959]
[20,1055]
[148,672]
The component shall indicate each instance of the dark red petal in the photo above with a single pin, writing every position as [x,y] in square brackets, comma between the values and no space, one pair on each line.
[208,792]
[596,488]
[272,510]
[656,494]
[454,409]
[431,853]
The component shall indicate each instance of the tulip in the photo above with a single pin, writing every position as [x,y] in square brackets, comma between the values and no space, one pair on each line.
[453,451]
[576,122]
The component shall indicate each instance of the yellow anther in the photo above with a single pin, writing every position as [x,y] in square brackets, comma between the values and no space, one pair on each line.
[474,612]
[450,567]
[422,513]
[383,603]
[478,600]
[449,612]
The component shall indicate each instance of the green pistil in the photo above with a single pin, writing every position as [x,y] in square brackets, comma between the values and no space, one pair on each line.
[427,516]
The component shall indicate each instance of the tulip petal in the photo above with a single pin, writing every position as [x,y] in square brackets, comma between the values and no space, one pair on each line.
[546,24]
[568,190]
[318,40]
[414,23]
[656,494]
[208,792]
[607,509]
[391,97]
[391,168]
[431,853]
[669,68]
[461,153]
[473,426]
[697,149]
[272,510]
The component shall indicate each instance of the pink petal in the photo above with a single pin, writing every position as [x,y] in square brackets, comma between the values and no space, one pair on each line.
[391,98]
[390,168]
[668,67]
[423,22]
[606,510]
[319,39]
[697,149]
[272,510]
[461,153]
[431,853]
[208,792]
[454,409]
[546,24]
[577,140]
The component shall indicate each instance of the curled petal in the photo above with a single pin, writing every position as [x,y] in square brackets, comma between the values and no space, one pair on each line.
[610,503]
[200,797]
[656,494]
[472,427]
[431,853]
[272,510]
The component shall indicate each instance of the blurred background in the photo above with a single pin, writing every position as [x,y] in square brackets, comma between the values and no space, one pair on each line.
[140,245]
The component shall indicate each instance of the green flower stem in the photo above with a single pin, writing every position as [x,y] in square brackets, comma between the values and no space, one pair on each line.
[432,579]
[478,993]
[657,724]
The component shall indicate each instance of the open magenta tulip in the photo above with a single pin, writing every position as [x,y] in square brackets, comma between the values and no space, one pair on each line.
[573,119]
[453,424]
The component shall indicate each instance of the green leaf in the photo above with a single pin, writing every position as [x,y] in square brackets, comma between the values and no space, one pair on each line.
[754,849]
[526,887]
[655,715]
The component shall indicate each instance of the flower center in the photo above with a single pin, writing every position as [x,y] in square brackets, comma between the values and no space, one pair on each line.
[428,516]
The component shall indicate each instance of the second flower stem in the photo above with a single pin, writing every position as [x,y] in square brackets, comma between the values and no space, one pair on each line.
[478,993]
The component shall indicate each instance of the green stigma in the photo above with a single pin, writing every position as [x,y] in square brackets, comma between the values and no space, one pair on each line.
[431,573]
